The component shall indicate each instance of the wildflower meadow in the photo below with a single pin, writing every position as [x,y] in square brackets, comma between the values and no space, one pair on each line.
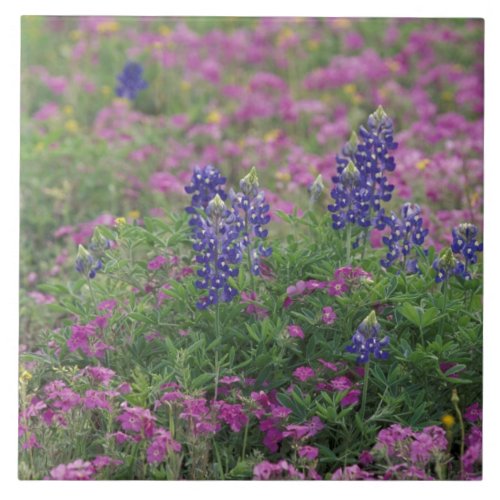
[251,249]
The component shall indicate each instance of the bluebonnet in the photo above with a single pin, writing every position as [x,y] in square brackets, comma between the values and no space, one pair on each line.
[359,202]
[316,189]
[465,243]
[405,232]
[366,340]
[219,252]
[86,263]
[253,211]
[447,265]
[206,182]
[130,81]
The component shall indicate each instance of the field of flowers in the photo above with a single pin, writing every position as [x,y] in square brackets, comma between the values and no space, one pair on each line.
[251,249]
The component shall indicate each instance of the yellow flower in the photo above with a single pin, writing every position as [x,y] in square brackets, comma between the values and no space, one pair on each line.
[394,66]
[105,90]
[165,30]
[40,146]
[284,35]
[68,110]
[25,377]
[272,135]
[75,35]
[120,221]
[312,45]
[422,164]
[447,95]
[474,198]
[214,117]
[108,27]
[357,99]
[72,126]
[185,86]
[283,176]
[341,23]
[350,88]
[134,214]
[448,421]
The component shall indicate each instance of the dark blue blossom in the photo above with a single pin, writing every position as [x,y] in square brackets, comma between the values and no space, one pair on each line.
[405,232]
[130,81]
[86,263]
[447,265]
[465,243]
[366,340]
[253,211]
[358,201]
[219,252]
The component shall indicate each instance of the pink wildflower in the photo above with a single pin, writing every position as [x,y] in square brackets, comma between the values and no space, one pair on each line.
[295,331]
[329,315]
[304,373]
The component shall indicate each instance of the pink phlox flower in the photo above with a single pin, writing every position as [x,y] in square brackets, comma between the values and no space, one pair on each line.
[337,287]
[279,411]
[253,308]
[266,470]
[102,461]
[349,273]
[295,331]
[340,383]
[351,398]
[162,443]
[99,374]
[351,473]
[183,333]
[298,289]
[329,365]
[157,263]
[77,470]
[473,413]
[107,305]
[232,414]
[308,452]
[30,441]
[163,295]
[406,471]
[304,373]
[303,431]
[96,399]
[229,380]
[328,316]
[136,419]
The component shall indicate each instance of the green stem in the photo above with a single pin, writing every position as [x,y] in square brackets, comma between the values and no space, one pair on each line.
[92,292]
[444,291]
[245,438]
[365,390]
[249,256]
[217,333]
[348,243]
[365,237]
[462,438]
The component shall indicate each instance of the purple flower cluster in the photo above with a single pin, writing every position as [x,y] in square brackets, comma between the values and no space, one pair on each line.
[366,340]
[265,471]
[361,184]
[81,470]
[89,338]
[130,81]
[447,265]
[161,444]
[466,245]
[205,184]
[250,203]
[219,253]
[405,232]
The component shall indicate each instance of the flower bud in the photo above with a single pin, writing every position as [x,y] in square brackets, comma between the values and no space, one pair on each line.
[249,185]
[315,189]
[216,207]
[350,175]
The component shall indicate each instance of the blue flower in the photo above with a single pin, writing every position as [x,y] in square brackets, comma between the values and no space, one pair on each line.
[86,263]
[253,211]
[406,232]
[216,241]
[447,265]
[130,81]
[465,243]
[366,340]
[358,198]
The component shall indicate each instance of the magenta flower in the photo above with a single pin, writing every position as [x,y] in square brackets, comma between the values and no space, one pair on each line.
[136,419]
[329,365]
[233,415]
[304,373]
[308,452]
[156,263]
[351,398]
[473,413]
[337,287]
[99,374]
[295,331]
[329,315]
[229,380]
[303,431]
[253,308]
[161,445]
[96,399]
[351,473]
[77,470]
